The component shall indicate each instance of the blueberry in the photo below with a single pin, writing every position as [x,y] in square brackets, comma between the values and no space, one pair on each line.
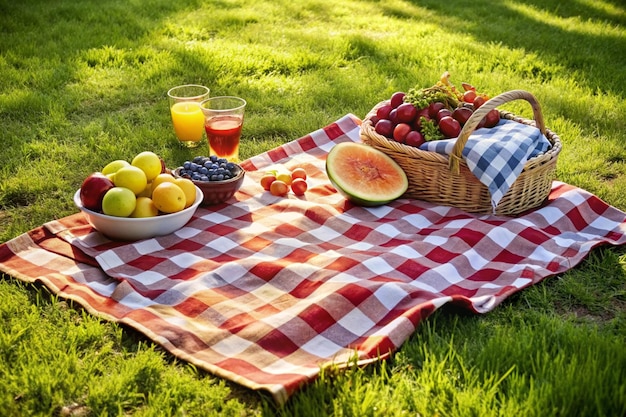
[197,159]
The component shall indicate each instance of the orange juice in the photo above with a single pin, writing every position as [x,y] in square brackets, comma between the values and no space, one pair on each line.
[188,121]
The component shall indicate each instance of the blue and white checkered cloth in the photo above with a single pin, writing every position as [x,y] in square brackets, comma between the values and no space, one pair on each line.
[497,156]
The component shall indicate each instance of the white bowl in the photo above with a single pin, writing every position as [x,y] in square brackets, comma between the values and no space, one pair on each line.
[126,228]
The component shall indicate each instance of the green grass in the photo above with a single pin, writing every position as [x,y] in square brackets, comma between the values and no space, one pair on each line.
[83,83]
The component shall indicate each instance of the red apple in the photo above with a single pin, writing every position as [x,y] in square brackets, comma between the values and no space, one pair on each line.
[414,138]
[400,132]
[93,189]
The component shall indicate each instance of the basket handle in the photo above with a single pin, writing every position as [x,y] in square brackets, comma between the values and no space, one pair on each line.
[481,112]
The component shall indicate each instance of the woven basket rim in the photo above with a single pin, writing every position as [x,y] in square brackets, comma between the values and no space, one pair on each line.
[385,142]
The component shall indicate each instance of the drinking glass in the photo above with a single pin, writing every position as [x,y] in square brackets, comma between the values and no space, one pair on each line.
[223,121]
[187,116]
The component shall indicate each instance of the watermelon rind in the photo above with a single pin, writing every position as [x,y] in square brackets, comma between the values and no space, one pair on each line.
[365,175]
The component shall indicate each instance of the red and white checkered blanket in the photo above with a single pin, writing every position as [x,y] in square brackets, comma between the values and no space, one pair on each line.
[265,290]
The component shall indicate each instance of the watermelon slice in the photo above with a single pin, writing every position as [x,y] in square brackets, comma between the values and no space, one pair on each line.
[365,175]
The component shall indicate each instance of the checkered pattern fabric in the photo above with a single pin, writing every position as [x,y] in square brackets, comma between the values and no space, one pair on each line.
[266,291]
[497,156]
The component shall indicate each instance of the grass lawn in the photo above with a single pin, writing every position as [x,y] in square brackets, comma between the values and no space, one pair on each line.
[84,83]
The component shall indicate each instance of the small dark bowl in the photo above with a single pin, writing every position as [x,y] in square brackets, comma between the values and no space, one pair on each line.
[216,192]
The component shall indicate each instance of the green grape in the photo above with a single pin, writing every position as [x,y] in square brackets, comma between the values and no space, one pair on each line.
[430,131]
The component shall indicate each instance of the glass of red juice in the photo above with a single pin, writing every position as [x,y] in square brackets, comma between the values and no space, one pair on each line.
[223,119]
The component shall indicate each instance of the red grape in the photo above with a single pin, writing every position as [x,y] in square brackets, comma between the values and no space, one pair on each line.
[443,113]
[462,114]
[383,111]
[469,96]
[478,101]
[406,112]
[414,138]
[400,132]
[449,127]
[397,98]
[492,118]
[385,127]
[434,107]
[393,116]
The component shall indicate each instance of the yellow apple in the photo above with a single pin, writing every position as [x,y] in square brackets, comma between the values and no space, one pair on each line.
[119,202]
[147,192]
[149,163]
[165,177]
[188,188]
[132,178]
[144,208]
[113,166]
[168,197]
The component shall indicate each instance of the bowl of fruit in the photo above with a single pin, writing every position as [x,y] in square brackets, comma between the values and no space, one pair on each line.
[218,178]
[137,200]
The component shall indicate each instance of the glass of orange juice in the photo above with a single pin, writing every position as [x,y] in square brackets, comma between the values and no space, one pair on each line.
[223,121]
[187,116]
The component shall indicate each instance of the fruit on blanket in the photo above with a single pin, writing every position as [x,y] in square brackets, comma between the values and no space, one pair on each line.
[299,186]
[267,179]
[284,177]
[119,202]
[365,175]
[279,188]
[298,173]
[279,181]
[168,197]
[93,189]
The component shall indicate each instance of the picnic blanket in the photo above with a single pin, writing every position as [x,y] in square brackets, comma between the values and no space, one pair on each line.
[266,291]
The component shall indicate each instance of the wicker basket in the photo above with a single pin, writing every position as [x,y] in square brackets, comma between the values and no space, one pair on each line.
[448,181]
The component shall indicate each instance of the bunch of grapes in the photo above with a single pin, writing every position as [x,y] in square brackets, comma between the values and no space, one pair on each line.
[432,113]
